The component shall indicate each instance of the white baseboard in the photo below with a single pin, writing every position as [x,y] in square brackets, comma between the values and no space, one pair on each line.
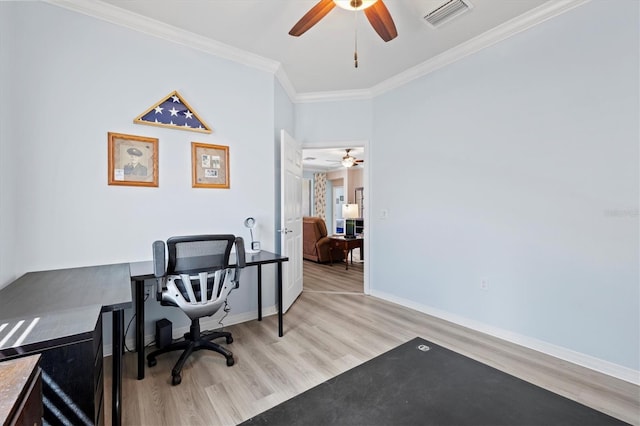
[210,323]
[587,361]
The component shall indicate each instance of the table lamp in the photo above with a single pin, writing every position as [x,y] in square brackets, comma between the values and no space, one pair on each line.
[255,245]
[350,213]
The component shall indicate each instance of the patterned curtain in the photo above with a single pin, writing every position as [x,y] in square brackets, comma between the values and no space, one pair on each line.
[319,191]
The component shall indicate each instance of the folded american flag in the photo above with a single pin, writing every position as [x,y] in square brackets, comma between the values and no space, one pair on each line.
[172,111]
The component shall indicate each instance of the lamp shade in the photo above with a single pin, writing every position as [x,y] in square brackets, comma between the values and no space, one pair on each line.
[350,211]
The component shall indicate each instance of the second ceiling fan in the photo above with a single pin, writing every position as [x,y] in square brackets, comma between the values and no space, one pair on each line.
[349,160]
[375,10]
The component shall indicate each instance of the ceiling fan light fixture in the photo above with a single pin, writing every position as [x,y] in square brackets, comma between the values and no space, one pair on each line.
[354,4]
[348,161]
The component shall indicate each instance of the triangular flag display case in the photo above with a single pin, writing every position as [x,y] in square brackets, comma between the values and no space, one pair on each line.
[174,112]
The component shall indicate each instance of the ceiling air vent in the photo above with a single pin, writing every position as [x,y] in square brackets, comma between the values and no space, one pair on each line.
[447,11]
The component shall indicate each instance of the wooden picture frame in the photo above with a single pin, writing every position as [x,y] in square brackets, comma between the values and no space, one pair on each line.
[132,160]
[209,166]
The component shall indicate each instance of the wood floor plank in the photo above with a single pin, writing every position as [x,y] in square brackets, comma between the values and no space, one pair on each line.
[331,328]
[343,280]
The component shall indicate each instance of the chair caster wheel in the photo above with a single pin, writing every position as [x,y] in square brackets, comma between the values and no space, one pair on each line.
[176,380]
[152,362]
[230,362]
[229,340]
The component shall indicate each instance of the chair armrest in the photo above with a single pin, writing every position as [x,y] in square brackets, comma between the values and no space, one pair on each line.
[323,241]
[158,267]
[241,261]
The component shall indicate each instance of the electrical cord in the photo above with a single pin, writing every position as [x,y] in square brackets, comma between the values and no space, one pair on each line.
[126,348]
[226,310]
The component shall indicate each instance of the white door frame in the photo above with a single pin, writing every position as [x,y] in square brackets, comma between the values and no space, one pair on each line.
[367,190]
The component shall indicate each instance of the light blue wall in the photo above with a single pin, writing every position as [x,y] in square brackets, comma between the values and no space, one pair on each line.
[78,78]
[8,149]
[284,111]
[519,164]
[327,122]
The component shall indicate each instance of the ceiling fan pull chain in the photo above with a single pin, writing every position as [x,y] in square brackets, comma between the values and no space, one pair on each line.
[355,24]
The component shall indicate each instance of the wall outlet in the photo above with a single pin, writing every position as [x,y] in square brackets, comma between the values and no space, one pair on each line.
[484,284]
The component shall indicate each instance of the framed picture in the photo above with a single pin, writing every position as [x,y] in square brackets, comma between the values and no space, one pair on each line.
[209,165]
[133,160]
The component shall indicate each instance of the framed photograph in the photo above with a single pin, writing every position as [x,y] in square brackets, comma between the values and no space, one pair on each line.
[133,160]
[209,165]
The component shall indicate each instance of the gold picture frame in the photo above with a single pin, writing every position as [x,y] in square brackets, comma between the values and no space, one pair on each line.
[209,166]
[132,160]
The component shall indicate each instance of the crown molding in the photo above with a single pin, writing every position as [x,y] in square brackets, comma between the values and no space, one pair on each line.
[341,95]
[118,16]
[536,16]
[152,27]
[286,84]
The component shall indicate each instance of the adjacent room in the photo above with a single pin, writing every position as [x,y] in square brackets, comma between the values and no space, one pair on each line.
[333,219]
[403,212]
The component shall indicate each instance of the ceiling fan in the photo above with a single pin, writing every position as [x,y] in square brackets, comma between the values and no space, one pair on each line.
[349,161]
[375,10]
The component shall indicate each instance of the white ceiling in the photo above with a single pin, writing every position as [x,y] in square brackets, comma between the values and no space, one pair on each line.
[324,159]
[321,60]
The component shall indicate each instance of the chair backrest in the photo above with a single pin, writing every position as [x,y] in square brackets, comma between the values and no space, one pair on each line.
[314,226]
[198,277]
[197,253]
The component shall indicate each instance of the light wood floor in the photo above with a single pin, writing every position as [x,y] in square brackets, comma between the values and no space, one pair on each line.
[336,278]
[331,328]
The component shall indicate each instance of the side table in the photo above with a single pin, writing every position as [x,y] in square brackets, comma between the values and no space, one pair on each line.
[347,245]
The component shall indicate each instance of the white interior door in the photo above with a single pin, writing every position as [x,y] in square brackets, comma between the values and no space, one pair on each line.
[291,218]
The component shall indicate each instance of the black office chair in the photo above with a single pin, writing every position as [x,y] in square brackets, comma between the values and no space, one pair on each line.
[197,280]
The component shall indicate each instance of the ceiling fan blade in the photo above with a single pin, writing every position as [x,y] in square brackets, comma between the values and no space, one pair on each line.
[381,21]
[312,17]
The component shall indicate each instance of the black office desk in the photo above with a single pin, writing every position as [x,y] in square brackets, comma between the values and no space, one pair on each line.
[141,271]
[53,310]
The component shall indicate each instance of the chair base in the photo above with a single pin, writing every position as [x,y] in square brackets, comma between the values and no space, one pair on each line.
[194,341]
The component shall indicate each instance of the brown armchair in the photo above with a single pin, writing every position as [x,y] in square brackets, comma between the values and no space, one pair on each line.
[316,245]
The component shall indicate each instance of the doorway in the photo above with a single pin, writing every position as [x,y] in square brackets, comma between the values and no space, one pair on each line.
[338,185]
